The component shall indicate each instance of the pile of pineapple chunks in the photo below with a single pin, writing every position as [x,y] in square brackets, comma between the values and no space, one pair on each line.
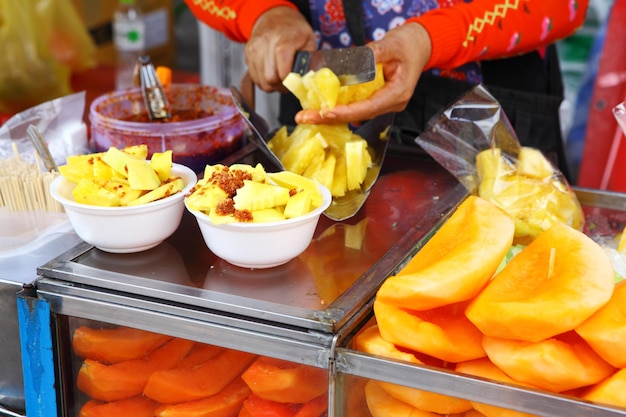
[331,154]
[529,189]
[121,177]
[264,197]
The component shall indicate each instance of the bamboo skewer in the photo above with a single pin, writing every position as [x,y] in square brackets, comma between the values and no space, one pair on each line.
[24,186]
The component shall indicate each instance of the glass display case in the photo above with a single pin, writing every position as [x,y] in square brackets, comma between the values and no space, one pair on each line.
[300,317]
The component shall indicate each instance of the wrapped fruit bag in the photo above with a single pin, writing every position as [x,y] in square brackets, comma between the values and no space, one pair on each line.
[475,142]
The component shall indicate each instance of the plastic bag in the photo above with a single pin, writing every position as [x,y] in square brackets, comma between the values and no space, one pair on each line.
[42,41]
[474,140]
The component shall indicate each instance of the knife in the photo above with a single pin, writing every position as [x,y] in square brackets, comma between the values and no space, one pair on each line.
[351,65]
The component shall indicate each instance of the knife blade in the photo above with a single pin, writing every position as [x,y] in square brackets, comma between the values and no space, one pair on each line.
[351,65]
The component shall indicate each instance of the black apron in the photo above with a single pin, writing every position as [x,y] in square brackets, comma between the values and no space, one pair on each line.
[528,87]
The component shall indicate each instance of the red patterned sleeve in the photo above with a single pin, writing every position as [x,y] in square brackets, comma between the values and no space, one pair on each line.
[234,18]
[488,29]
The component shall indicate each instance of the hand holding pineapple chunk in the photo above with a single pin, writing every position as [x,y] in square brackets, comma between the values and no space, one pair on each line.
[121,177]
[330,154]
[243,193]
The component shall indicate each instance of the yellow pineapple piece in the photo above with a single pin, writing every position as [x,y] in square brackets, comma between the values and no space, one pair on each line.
[621,246]
[299,204]
[220,218]
[340,180]
[357,162]
[257,172]
[172,187]
[267,215]
[91,191]
[298,158]
[359,92]
[77,170]
[161,163]
[138,151]
[532,163]
[206,198]
[324,85]
[117,160]
[141,176]
[293,83]
[292,181]
[280,142]
[124,191]
[257,196]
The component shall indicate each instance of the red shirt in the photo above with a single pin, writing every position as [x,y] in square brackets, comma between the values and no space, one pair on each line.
[460,32]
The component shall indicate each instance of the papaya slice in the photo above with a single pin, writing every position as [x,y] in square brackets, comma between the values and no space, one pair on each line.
[558,364]
[444,333]
[138,406]
[314,408]
[371,341]
[484,368]
[115,344]
[381,404]
[200,353]
[176,385]
[550,287]
[609,391]
[605,330]
[457,261]
[284,381]
[255,406]
[128,378]
[225,403]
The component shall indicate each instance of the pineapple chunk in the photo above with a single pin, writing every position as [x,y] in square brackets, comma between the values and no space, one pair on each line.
[77,170]
[267,215]
[221,218]
[141,176]
[324,85]
[299,204]
[257,172]
[138,151]
[117,160]
[206,198]
[124,191]
[91,191]
[359,92]
[533,164]
[292,181]
[161,162]
[340,180]
[357,162]
[257,196]
[293,82]
[165,190]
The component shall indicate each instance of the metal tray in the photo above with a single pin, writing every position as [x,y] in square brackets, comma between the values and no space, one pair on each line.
[321,290]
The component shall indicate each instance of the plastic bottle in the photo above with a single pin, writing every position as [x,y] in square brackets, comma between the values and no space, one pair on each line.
[129,31]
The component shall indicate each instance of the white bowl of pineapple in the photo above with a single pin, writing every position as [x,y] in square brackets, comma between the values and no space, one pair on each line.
[254,219]
[121,202]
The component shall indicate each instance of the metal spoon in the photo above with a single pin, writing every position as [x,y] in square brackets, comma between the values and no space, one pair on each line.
[41,147]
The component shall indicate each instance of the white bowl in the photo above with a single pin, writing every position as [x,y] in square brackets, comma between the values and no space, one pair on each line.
[261,245]
[125,229]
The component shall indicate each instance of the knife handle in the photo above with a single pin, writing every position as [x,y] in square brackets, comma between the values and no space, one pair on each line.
[301,62]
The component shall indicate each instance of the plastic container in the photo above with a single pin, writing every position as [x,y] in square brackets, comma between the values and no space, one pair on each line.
[129,29]
[195,143]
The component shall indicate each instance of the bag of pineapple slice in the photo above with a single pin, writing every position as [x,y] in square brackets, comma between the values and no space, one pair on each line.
[475,142]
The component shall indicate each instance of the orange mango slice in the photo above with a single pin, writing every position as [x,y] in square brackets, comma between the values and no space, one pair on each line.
[605,330]
[225,403]
[550,287]
[171,386]
[609,391]
[127,379]
[255,406]
[314,408]
[444,333]
[381,404]
[371,341]
[134,406]
[484,368]
[286,382]
[115,344]
[457,261]
[557,364]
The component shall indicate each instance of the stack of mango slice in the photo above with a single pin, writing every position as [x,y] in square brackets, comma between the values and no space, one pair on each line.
[550,318]
[127,371]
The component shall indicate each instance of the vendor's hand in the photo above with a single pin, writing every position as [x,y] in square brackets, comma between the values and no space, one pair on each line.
[274,40]
[403,53]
